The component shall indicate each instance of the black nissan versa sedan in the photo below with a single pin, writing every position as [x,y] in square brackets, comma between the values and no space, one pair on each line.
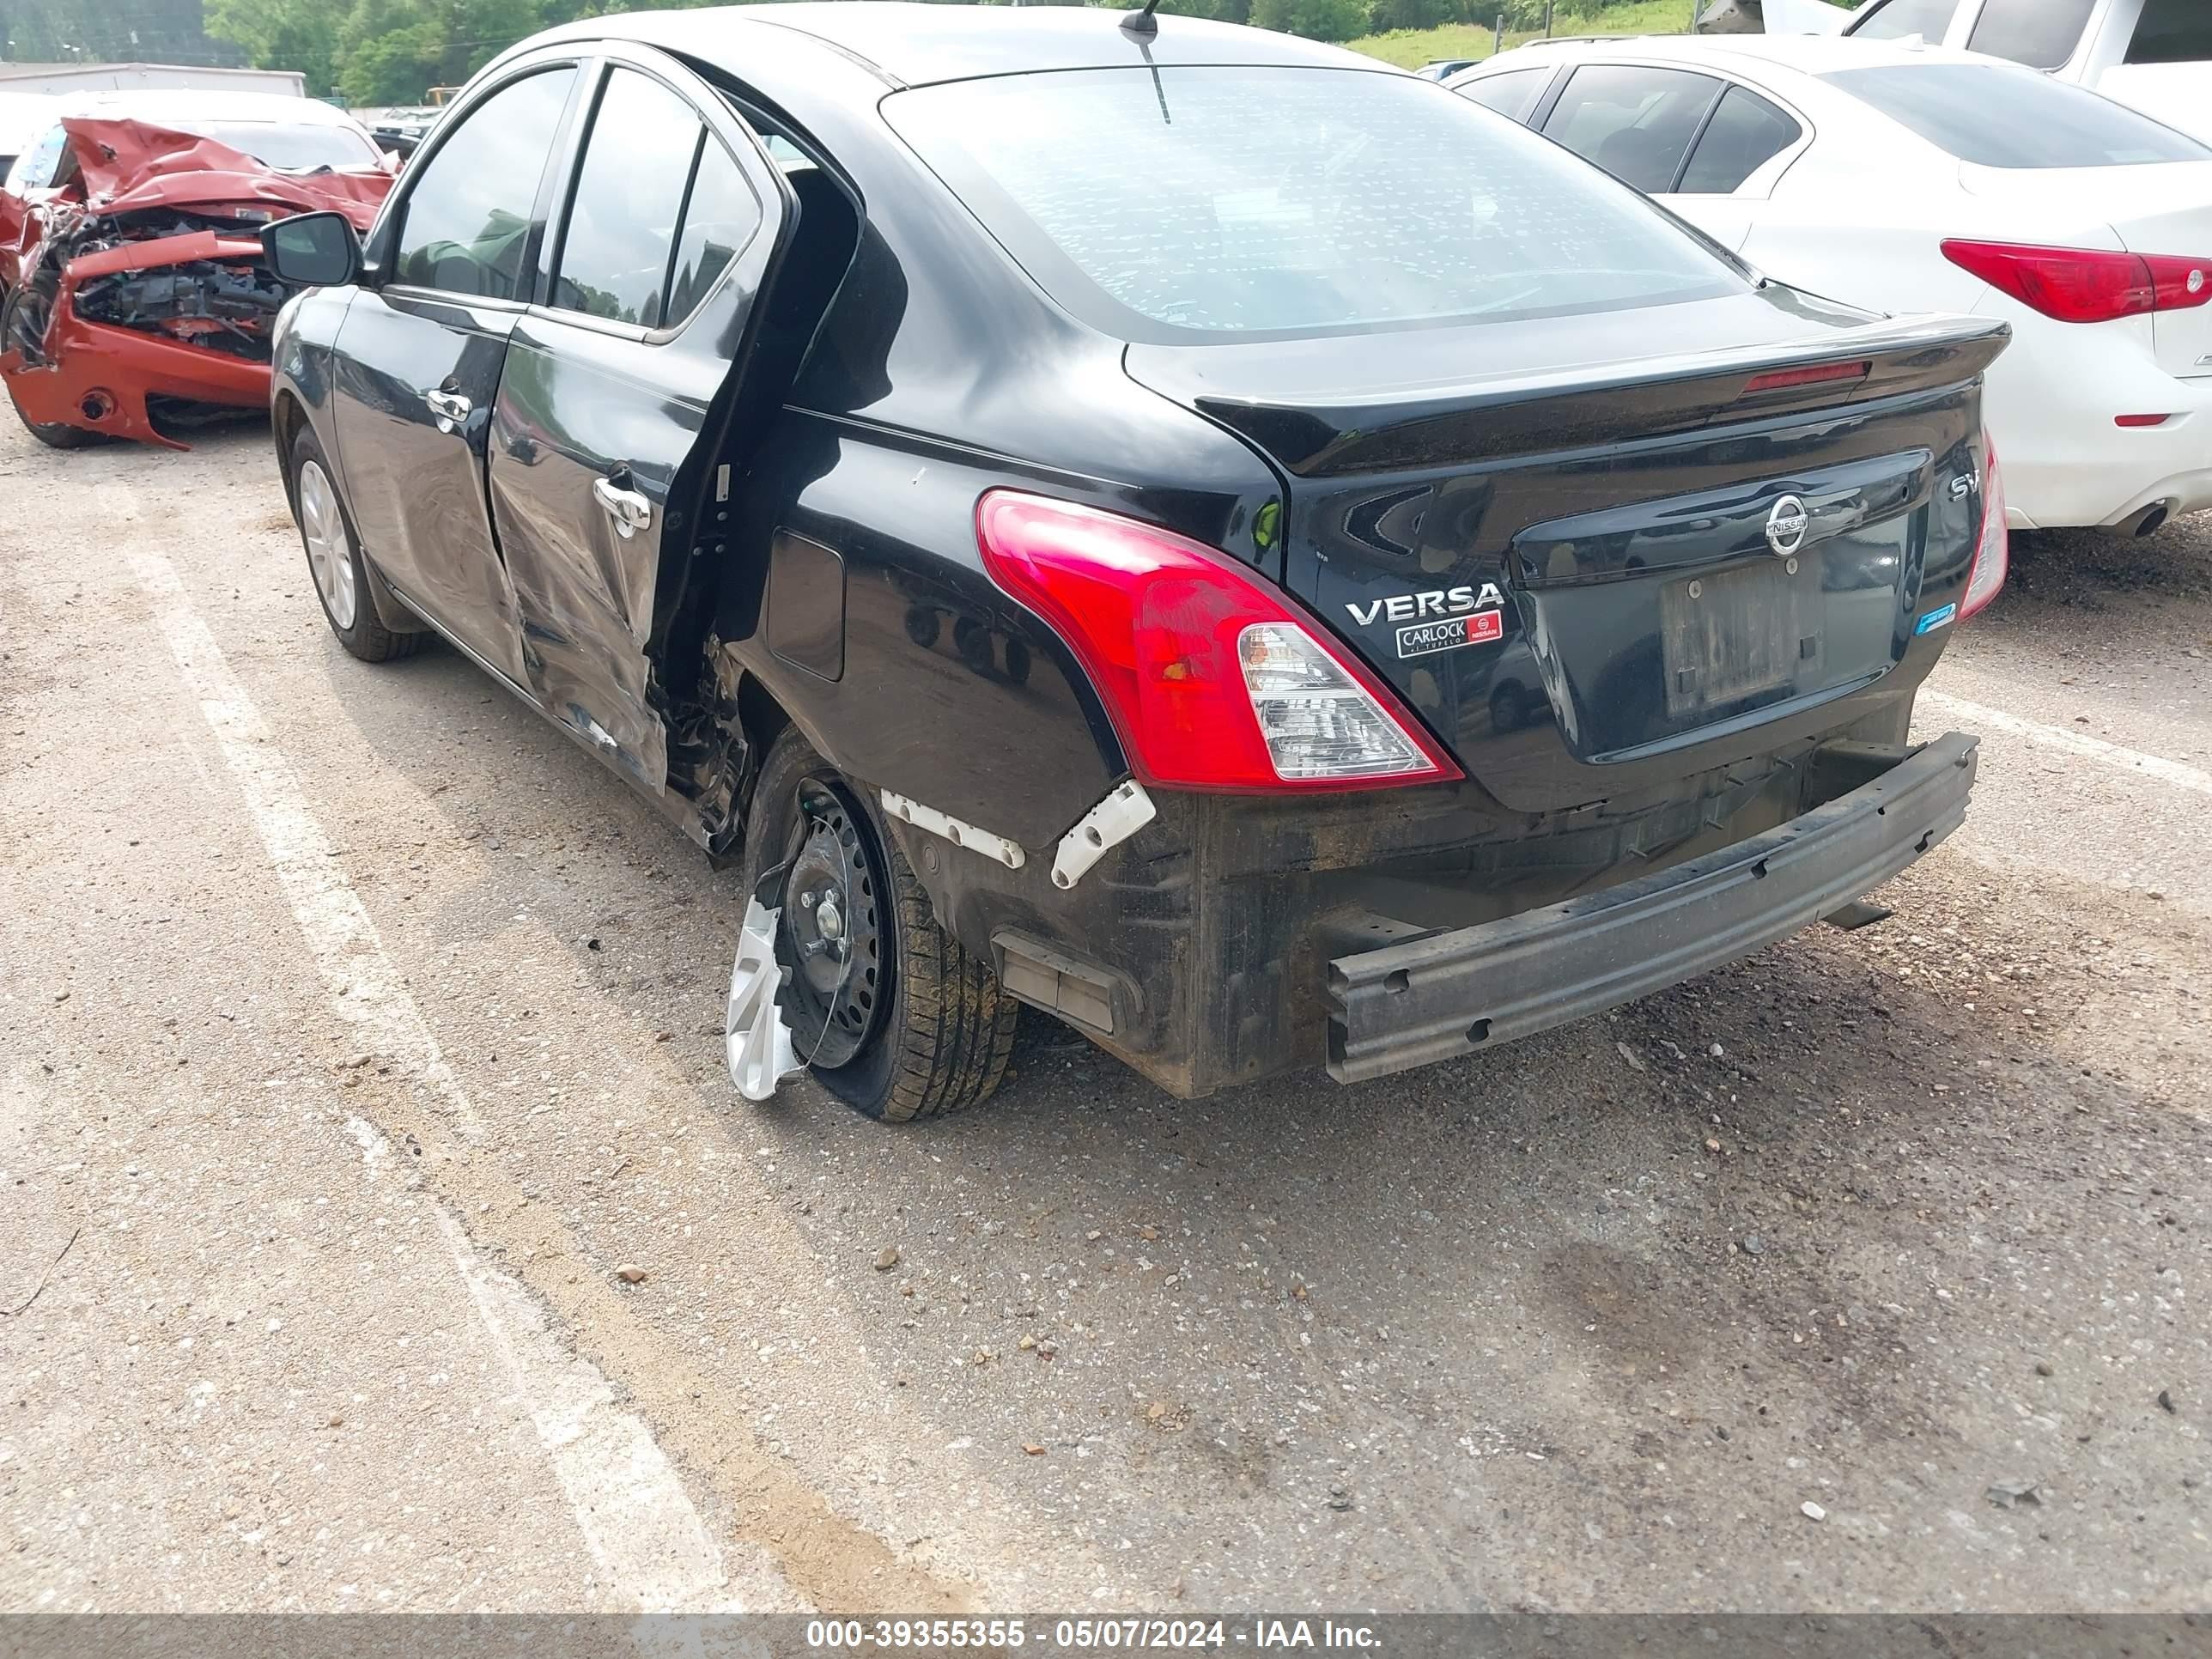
[1189,529]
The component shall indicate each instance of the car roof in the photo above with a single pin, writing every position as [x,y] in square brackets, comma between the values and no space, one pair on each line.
[1806,54]
[915,44]
[172,105]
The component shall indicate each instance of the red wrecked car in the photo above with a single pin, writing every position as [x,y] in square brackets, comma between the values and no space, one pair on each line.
[132,261]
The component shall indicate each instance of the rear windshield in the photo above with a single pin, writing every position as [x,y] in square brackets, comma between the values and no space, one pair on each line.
[1242,201]
[292,149]
[1995,115]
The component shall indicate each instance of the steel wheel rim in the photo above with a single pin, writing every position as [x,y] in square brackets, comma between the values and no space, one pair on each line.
[834,996]
[330,555]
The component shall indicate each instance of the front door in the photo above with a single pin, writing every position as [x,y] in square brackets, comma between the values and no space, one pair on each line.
[421,350]
[611,381]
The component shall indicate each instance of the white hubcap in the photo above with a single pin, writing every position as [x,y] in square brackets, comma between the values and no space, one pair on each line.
[330,555]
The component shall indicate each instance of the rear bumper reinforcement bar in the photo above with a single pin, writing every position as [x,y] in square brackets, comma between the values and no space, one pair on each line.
[1454,992]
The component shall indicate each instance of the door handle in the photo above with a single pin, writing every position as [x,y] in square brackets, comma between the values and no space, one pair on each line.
[450,407]
[630,511]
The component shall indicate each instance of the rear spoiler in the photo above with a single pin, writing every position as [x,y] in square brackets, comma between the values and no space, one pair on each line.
[1650,397]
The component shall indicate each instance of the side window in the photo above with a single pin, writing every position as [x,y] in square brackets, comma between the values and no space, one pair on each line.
[1636,124]
[1513,93]
[2040,34]
[468,216]
[2173,31]
[622,228]
[719,219]
[1744,134]
[1929,19]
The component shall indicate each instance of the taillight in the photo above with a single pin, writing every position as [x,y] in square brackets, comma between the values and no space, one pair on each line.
[1212,680]
[1993,547]
[2087,285]
[2180,284]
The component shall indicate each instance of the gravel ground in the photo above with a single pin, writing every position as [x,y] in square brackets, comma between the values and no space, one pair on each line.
[356,1028]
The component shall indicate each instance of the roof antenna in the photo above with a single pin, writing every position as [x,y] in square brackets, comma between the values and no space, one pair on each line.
[1142,22]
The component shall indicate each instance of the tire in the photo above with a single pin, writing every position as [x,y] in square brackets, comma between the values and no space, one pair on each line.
[937,1028]
[335,564]
[54,434]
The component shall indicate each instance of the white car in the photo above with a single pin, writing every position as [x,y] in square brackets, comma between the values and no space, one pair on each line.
[1901,179]
[2154,55]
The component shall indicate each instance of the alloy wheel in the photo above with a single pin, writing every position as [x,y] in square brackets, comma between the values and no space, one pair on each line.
[330,555]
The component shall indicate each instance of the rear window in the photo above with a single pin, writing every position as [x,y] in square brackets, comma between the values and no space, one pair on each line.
[1244,201]
[1929,19]
[1994,115]
[2040,34]
[2173,31]
[292,149]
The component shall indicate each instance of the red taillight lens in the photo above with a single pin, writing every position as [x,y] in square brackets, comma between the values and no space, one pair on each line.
[1985,578]
[2087,285]
[1212,680]
[2074,285]
[2180,284]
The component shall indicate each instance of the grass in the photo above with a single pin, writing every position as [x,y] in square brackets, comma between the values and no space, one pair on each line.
[1411,48]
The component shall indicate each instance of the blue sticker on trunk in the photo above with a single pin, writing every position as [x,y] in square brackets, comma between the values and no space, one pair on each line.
[1935,619]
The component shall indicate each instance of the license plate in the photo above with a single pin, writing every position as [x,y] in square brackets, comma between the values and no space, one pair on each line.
[1738,634]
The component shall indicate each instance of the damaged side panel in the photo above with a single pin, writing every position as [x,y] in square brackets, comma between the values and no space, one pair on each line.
[584,461]
[610,447]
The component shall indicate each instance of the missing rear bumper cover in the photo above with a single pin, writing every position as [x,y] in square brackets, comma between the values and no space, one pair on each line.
[998,848]
[1455,991]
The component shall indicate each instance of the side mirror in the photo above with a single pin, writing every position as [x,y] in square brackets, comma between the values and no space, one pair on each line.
[313,249]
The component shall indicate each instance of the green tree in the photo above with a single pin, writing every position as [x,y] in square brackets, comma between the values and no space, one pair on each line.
[1317,19]
[1415,13]
[393,52]
[301,35]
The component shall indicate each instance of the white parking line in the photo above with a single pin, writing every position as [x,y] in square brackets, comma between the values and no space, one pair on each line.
[1978,716]
[365,989]
[646,1537]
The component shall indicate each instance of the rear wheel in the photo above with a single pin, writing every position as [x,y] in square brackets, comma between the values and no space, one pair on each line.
[891,1013]
[334,558]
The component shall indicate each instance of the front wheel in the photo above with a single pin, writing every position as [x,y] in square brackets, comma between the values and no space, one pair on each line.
[891,1013]
[334,558]
[23,326]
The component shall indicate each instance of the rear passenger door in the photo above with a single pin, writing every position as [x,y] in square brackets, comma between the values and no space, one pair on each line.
[1708,148]
[1635,120]
[668,227]
[1748,142]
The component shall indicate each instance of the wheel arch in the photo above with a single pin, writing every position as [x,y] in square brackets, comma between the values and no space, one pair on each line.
[288,419]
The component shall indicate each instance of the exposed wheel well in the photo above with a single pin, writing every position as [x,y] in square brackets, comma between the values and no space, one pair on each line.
[760,716]
[286,418]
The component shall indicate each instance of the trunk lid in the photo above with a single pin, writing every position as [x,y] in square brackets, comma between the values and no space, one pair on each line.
[1568,572]
[2162,210]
